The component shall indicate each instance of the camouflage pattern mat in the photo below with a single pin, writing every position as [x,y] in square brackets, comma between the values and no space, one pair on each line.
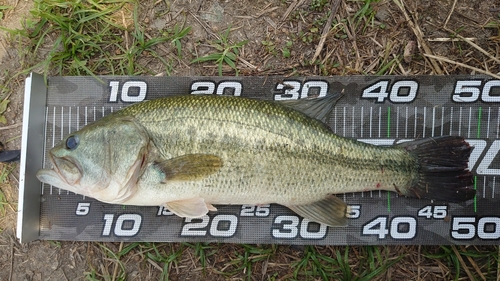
[378,109]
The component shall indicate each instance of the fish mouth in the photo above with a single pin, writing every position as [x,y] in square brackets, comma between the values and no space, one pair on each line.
[66,168]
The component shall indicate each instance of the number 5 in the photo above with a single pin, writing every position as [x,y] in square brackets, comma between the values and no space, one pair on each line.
[82,209]
[353,211]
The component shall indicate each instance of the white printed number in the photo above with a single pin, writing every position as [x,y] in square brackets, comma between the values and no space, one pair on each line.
[132,91]
[354,211]
[487,228]
[255,211]
[162,211]
[482,165]
[399,227]
[82,209]
[433,212]
[470,91]
[292,90]
[218,226]
[401,92]
[290,227]
[210,88]
[126,225]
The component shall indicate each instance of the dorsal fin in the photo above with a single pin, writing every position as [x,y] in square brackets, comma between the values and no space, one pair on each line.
[317,108]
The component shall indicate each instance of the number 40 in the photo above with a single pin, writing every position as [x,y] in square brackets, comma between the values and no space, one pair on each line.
[401,91]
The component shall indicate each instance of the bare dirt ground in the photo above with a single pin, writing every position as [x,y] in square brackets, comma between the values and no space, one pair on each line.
[285,37]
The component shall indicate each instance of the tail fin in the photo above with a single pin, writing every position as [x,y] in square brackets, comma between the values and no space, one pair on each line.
[443,172]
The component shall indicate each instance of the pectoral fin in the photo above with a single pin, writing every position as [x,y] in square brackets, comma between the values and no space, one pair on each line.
[190,208]
[330,211]
[190,167]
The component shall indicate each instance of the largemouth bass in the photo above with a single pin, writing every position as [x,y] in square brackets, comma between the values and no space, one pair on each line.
[189,153]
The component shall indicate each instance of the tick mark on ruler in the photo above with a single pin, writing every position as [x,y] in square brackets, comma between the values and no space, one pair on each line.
[388,122]
[479,113]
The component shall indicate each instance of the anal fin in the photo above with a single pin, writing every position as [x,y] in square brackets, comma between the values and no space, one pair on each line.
[330,211]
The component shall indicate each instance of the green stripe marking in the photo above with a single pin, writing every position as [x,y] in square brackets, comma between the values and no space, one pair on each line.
[479,121]
[388,201]
[388,135]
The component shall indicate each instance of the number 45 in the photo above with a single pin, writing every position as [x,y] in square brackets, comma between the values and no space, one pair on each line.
[433,212]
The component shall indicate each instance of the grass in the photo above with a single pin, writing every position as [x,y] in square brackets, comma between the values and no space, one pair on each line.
[86,37]
[3,108]
[203,251]
[144,45]
[3,202]
[271,48]
[3,9]
[5,93]
[226,52]
[176,34]
[166,258]
[82,30]
[246,258]
[479,263]
[5,171]
[366,13]
[318,5]
[119,272]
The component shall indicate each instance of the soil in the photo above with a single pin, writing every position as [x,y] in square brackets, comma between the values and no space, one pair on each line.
[283,38]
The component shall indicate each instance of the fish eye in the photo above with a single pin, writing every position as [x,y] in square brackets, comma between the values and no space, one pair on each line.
[72,142]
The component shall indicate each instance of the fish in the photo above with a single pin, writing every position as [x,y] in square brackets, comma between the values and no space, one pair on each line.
[189,153]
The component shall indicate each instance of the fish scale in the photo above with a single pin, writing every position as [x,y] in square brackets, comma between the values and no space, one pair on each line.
[296,142]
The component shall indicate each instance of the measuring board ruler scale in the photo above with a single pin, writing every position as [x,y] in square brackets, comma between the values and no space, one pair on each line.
[383,110]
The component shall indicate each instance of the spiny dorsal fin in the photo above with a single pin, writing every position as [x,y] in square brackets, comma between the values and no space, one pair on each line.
[330,211]
[317,108]
[190,167]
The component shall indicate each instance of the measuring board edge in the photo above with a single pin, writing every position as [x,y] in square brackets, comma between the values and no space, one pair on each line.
[33,137]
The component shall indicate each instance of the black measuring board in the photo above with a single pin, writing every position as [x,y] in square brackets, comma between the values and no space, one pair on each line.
[382,110]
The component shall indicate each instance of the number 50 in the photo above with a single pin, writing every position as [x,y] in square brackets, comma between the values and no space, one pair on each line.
[470,91]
